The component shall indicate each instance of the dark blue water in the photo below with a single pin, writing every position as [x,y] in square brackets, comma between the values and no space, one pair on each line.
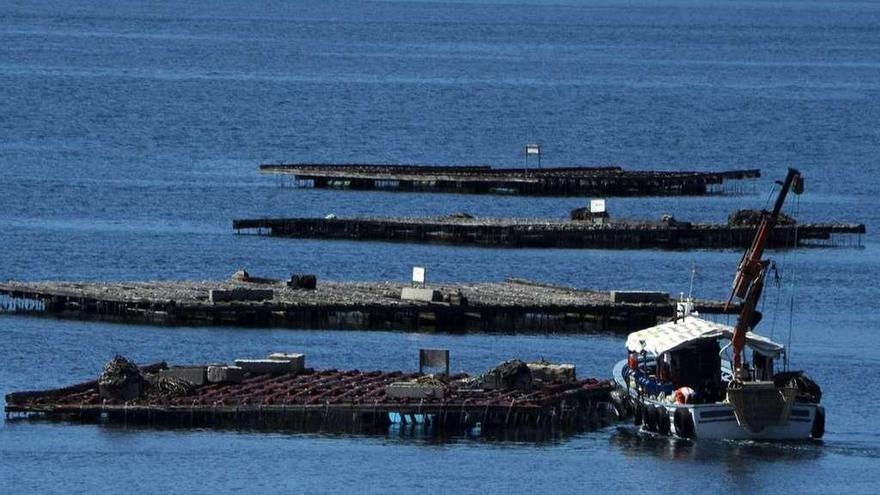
[130,137]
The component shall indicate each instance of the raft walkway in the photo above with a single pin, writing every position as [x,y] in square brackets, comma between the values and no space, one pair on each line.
[549,233]
[510,306]
[558,181]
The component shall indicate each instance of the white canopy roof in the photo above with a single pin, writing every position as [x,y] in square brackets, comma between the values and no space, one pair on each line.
[674,334]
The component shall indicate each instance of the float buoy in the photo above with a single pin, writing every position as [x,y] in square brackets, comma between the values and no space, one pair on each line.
[650,418]
[662,420]
[619,404]
[684,423]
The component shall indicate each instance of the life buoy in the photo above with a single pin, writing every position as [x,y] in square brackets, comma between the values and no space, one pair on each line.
[663,420]
[818,429]
[684,423]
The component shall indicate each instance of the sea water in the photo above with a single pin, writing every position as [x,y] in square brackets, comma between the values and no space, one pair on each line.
[130,136]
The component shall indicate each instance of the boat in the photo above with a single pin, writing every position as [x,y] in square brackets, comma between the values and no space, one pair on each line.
[689,377]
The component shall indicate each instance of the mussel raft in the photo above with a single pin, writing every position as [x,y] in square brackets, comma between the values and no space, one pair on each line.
[463,229]
[511,399]
[481,179]
[511,306]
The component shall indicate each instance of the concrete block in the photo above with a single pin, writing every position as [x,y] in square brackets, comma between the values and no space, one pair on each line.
[263,366]
[638,296]
[225,374]
[412,390]
[197,375]
[424,295]
[223,295]
[297,360]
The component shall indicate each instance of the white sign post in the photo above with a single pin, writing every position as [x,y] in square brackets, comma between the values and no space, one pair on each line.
[597,206]
[418,276]
[533,149]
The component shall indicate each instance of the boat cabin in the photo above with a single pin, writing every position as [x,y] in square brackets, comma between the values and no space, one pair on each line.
[687,355]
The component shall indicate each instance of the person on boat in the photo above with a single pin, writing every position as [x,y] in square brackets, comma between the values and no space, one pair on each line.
[710,391]
[685,395]
[664,373]
[763,366]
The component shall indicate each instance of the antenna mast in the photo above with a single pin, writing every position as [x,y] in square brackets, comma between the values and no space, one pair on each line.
[693,275]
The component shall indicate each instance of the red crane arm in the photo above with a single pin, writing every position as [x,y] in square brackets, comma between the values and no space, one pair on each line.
[749,282]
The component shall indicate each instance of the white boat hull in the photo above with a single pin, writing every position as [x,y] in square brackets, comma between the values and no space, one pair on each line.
[717,421]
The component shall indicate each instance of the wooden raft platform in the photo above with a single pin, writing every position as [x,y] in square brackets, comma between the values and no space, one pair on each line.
[547,233]
[557,181]
[332,400]
[511,306]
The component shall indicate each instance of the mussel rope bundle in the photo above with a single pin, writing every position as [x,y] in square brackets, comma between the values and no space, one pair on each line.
[808,390]
[117,370]
[169,387]
[752,218]
[118,375]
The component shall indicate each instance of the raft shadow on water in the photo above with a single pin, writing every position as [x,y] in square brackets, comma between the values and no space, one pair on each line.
[416,434]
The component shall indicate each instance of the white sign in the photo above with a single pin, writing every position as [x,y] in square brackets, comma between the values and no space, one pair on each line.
[533,149]
[418,274]
[597,206]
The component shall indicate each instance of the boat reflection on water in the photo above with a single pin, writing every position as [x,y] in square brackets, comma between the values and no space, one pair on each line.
[634,443]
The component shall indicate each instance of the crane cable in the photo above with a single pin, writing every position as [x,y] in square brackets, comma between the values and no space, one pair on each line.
[777,281]
[797,208]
